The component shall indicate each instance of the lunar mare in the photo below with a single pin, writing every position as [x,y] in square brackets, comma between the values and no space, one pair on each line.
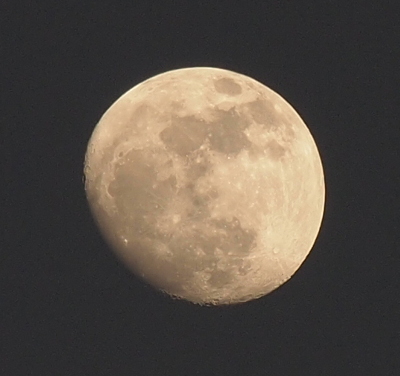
[207,184]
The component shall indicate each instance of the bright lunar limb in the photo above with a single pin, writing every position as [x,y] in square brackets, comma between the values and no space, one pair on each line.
[207,184]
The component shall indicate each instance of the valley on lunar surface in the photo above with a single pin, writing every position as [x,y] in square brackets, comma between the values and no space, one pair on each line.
[207,184]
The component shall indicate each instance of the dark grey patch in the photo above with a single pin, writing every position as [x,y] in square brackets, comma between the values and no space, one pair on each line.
[140,114]
[185,135]
[227,140]
[233,118]
[263,112]
[137,193]
[199,201]
[226,133]
[199,211]
[289,133]
[176,105]
[245,267]
[220,278]
[168,164]
[197,169]
[275,150]
[227,86]
[237,240]
[133,178]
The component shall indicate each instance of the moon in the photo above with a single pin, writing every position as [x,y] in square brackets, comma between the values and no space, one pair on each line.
[206,184]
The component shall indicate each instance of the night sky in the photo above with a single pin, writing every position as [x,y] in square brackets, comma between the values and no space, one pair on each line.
[69,307]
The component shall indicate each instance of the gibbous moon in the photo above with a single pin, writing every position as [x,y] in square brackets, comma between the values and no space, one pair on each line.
[206,184]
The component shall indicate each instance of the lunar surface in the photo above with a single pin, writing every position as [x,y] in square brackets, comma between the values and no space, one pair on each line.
[206,184]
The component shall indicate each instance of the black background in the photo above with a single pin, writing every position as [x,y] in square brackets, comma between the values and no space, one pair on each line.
[68,307]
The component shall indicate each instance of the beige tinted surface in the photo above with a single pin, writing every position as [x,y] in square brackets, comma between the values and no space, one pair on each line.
[207,184]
